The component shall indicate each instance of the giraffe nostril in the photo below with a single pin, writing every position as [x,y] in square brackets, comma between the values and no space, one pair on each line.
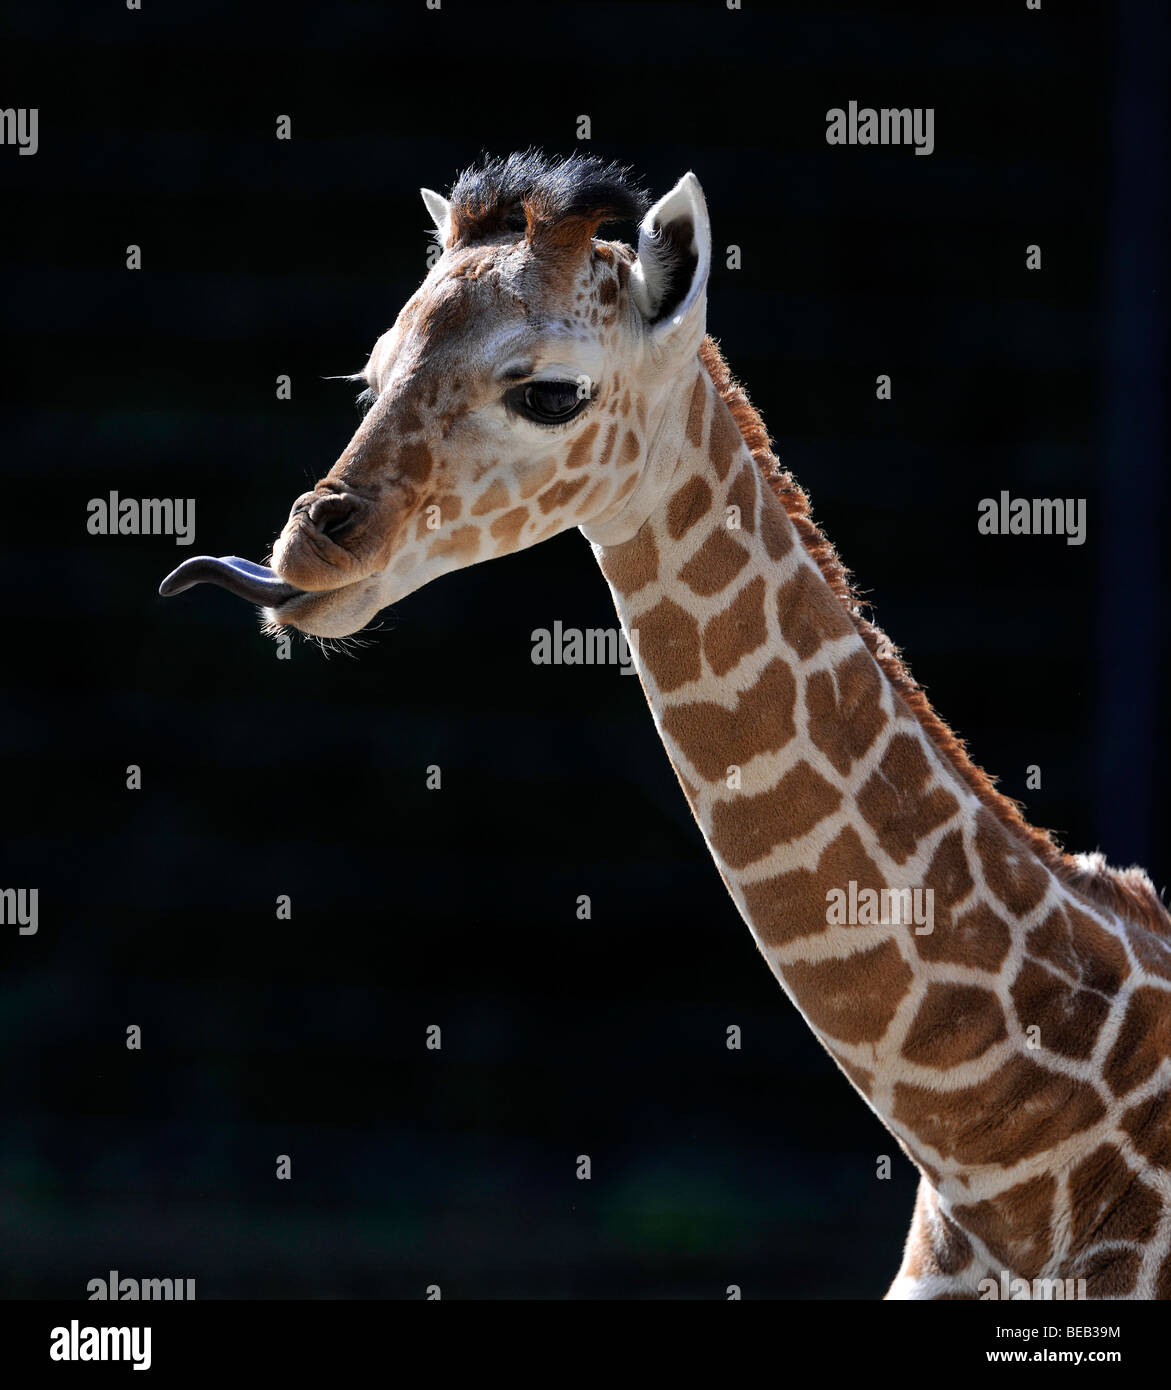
[334,514]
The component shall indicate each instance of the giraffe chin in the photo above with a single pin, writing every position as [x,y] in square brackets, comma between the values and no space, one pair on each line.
[331,612]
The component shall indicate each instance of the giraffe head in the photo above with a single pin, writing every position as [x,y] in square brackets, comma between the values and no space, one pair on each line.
[517,394]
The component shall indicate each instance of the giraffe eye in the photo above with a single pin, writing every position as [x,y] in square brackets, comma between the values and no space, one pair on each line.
[549,402]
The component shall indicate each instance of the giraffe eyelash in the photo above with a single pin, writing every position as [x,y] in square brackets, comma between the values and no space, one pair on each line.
[366,400]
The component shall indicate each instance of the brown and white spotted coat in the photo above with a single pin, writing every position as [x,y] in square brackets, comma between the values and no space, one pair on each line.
[1047,1161]
[1020,1052]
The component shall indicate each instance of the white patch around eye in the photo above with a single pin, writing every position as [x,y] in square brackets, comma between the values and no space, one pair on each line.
[515,349]
[515,368]
[588,364]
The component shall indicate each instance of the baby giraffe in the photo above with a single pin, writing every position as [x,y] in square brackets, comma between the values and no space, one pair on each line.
[1004,1008]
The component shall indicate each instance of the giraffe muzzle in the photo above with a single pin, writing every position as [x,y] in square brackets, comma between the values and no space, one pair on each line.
[332,514]
[325,541]
[244,578]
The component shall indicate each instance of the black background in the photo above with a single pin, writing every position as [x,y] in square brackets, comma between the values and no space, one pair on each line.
[307,777]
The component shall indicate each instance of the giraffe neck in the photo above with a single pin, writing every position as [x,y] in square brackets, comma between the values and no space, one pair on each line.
[919,935]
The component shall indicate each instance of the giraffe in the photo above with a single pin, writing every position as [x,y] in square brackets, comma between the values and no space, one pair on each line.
[1018,1047]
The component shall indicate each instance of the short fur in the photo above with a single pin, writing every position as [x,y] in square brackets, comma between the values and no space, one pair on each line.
[564,201]
[1127,892]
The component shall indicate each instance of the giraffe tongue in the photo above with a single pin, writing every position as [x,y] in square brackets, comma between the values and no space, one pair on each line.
[256,583]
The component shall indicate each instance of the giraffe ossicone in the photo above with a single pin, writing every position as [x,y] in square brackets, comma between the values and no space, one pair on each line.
[542,378]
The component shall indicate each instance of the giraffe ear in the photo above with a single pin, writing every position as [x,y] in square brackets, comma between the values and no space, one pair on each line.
[440,210]
[668,279]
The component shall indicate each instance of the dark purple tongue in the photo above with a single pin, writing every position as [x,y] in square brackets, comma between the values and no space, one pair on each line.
[256,583]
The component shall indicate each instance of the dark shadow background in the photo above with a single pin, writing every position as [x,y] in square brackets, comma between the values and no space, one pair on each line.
[306,777]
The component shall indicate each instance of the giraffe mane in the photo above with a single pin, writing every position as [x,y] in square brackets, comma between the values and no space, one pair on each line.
[532,195]
[1127,892]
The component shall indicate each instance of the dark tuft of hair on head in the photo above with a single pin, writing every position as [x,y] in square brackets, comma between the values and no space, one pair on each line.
[533,195]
